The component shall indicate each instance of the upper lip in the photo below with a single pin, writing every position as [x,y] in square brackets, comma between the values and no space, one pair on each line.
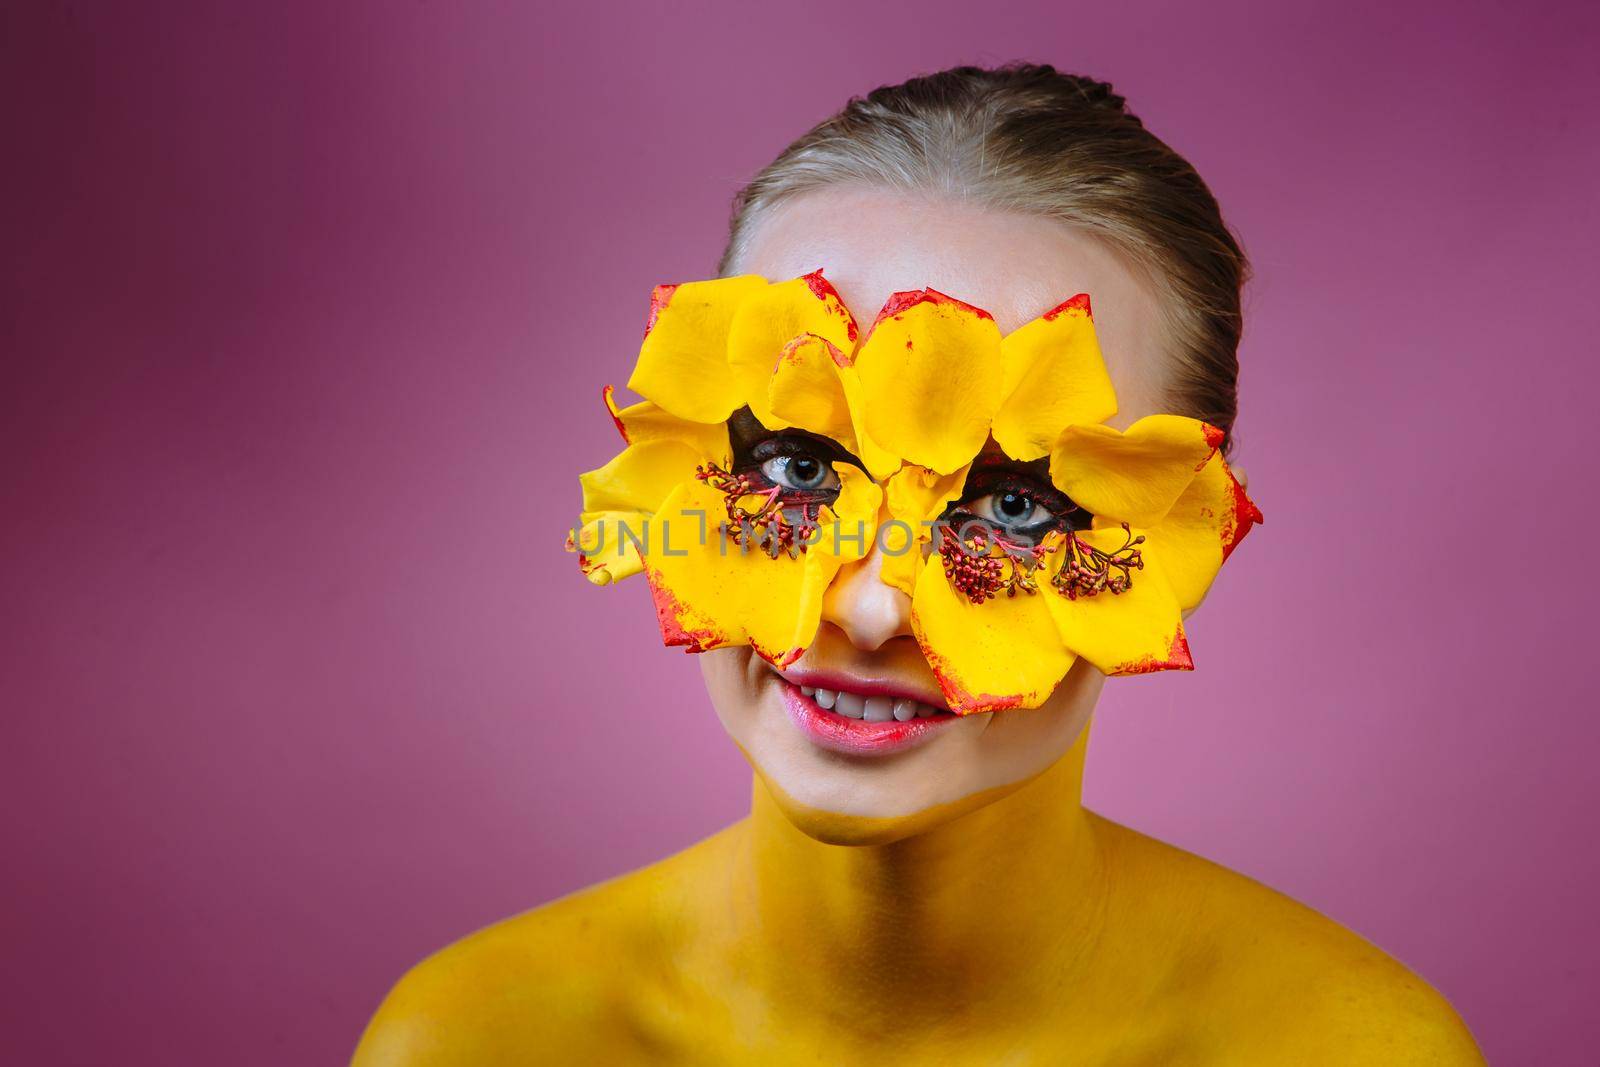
[867,687]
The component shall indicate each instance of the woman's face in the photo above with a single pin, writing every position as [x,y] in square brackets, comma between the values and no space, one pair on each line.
[872,244]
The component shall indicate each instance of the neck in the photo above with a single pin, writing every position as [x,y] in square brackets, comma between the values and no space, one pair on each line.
[994,907]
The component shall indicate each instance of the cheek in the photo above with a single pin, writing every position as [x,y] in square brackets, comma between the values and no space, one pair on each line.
[730,684]
[1024,741]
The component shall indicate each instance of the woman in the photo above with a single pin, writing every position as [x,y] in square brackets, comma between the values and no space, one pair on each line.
[917,880]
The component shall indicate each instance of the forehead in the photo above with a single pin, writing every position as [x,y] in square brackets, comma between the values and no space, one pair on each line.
[873,243]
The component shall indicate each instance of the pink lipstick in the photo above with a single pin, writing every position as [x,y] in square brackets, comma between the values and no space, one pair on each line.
[858,718]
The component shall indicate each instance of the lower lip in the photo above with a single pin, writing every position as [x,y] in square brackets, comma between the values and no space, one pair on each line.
[856,737]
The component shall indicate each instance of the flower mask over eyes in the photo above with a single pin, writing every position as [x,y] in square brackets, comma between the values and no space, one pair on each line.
[778,443]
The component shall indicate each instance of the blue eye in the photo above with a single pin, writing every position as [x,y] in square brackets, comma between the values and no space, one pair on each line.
[1011,510]
[801,472]
[1018,504]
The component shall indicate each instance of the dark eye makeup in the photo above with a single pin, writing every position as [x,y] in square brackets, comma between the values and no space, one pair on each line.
[798,463]
[1016,500]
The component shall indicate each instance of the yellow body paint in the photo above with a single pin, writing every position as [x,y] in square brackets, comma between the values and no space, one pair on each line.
[1017,927]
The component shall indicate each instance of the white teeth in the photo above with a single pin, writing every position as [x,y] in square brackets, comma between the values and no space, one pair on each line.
[868,709]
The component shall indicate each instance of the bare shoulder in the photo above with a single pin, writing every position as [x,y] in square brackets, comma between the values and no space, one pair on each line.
[1293,985]
[550,979]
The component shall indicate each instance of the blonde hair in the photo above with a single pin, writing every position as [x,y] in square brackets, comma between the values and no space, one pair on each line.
[1025,137]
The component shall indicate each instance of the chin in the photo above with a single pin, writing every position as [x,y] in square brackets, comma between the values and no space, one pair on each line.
[855,750]
[822,820]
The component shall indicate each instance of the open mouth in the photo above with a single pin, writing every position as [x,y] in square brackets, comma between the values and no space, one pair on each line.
[850,705]
[856,717]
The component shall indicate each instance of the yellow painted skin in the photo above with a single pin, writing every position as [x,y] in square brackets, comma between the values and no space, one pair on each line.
[1028,930]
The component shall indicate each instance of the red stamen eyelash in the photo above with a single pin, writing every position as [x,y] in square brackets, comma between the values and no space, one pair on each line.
[972,566]
[981,564]
[1087,570]
[775,526]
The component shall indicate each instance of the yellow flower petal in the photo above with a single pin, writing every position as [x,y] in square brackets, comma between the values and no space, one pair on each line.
[916,496]
[1200,531]
[815,388]
[1132,632]
[619,498]
[646,421]
[683,363]
[769,320]
[805,390]
[903,559]
[879,461]
[639,477]
[850,523]
[711,593]
[1054,376]
[1003,653]
[1135,476]
[930,376]
[607,545]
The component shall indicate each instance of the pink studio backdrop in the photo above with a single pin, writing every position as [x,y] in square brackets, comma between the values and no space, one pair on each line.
[308,310]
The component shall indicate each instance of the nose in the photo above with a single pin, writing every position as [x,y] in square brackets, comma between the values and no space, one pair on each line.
[869,612]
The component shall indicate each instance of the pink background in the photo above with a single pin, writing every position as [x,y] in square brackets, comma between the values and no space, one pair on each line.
[308,310]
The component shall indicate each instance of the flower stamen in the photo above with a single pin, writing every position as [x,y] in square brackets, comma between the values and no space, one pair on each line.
[1086,570]
[980,564]
[774,526]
